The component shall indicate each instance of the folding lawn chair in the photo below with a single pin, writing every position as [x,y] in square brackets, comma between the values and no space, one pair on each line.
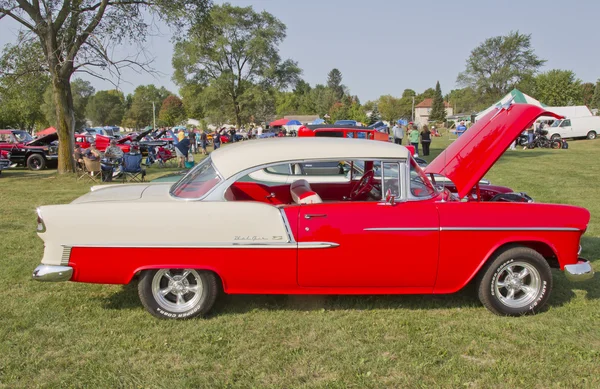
[92,169]
[132,168]
[79,169]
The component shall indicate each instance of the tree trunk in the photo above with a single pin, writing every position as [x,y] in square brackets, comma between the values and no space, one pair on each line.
[65,122]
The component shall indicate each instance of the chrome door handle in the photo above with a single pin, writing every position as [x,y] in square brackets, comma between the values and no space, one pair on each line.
[310,216]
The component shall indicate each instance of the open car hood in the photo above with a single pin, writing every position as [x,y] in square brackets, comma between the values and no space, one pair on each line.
[44,140]
[470,156]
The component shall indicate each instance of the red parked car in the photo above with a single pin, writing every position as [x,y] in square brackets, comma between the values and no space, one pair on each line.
[36,154]
[390,232]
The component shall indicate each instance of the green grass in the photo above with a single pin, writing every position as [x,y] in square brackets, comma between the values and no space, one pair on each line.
[97,336]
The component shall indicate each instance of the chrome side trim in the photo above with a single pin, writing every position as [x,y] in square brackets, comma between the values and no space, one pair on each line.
[47,273]
[253,245]
[581,271]
[66,255]
[317,245]
[288,228]
[402,229]
[509,229]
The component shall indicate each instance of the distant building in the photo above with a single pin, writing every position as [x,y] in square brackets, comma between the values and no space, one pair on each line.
[423,109]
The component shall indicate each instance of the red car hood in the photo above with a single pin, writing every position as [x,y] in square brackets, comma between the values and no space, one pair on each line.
[469,157]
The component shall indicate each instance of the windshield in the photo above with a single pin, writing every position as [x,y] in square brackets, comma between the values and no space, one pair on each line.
[556,123]
[198,182]
[22,136]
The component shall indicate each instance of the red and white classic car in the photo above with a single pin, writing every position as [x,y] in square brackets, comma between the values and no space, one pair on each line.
[388,233]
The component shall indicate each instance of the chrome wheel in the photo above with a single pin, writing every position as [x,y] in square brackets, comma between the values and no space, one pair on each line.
[177,290]
[517,284]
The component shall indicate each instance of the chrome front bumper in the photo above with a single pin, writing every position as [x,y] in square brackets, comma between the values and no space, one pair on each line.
[48,273]
[581,271]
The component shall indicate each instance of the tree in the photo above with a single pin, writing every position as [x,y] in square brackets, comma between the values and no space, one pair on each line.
[391,108]
[140,112]
[191,95]
[334,82]
[498,64]
[438,107]
[78,35]
[595,103]
[81,91]
[235,56]
[106,107]
[21,94]
[465,100]
[558,88]
[172,111]
[587,92]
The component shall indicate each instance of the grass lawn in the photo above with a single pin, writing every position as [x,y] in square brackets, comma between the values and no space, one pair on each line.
[96,336]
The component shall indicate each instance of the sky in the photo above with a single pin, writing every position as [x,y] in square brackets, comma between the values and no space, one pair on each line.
[385,46]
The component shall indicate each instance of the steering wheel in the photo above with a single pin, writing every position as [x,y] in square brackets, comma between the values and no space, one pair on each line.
[363,186]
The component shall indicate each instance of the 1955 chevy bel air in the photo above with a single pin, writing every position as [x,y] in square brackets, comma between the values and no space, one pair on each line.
[391,232]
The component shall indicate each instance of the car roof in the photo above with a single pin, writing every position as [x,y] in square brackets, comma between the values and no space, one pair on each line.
[245,155]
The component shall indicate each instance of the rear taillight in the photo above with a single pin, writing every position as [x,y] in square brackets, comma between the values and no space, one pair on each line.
[41,227]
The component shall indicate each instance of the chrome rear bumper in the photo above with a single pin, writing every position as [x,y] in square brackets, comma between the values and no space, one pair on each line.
[50,273]
[581,271]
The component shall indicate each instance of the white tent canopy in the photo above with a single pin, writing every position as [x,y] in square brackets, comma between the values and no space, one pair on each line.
[517,96]
[521,98]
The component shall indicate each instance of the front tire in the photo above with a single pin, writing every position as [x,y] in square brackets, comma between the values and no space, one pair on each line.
[591,135]
[36,162]
[178,293]
[516,282]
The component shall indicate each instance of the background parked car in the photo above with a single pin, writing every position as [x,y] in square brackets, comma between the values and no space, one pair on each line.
[24,150]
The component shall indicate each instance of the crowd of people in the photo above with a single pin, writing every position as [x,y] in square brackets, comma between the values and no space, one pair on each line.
[112,160]
[414,136]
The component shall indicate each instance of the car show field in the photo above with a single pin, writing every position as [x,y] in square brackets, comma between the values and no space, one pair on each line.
[65,334]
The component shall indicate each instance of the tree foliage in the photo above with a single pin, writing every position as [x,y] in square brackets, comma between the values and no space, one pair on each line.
[79,35]
[392,108]
[21,91]
[172,111]
[237,59]
[465,100]
[587,92]
[438,108]
[558,88]
[140,112]
[595,103]
[498,64]
[334,82]
[106,107]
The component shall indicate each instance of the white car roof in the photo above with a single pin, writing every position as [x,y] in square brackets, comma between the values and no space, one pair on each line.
[240,156]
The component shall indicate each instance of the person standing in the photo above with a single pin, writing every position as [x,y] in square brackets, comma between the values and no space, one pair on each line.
[398,133]
[530,136]
[198,140]
[413,136]
[203,142]
[180,135]
[182,149]
[232,133]
[217,139]
[425,139]
[193,145]
[461,128]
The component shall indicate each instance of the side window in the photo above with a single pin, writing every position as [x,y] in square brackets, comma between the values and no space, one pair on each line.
[566,123]
[420,186]
[325,168]
[279,169]
[362,135]
[391,179]
[350,134]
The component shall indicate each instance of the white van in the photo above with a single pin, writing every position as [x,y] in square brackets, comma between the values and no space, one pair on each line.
[581,127]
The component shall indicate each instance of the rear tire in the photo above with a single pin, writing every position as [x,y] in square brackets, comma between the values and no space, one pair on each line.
[515,282]
[178,293]
[591,135]
[36,162]
[556,144]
